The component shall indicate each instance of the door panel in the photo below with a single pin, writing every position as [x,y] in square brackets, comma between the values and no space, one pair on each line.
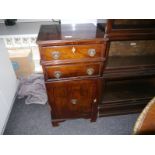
[72,99]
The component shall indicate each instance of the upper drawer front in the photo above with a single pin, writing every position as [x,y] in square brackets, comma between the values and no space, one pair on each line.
[65,71]
[72,52]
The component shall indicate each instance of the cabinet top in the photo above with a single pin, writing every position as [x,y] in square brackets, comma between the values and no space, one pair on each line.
[70,33]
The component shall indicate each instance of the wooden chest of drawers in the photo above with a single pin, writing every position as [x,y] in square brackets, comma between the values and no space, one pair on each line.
[73,62]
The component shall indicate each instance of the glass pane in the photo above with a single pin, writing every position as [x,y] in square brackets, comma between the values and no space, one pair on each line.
[133,23]
[128,90]
[130,53]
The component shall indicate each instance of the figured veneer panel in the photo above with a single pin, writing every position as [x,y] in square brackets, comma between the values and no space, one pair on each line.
[72,99]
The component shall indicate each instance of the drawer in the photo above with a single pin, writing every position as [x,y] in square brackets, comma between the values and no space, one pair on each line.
[66,71]
[72,99]
[72,52]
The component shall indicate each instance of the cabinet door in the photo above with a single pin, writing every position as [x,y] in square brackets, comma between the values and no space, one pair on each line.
[72,99]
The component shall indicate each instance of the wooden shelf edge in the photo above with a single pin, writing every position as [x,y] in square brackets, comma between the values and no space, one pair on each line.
[134,71]
[120,107]
[125,112]
[124,102]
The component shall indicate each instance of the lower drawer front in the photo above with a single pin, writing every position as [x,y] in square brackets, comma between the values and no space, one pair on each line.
[70,99]
[65,71]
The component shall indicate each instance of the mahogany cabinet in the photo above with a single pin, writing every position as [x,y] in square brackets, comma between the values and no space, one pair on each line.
[73,61]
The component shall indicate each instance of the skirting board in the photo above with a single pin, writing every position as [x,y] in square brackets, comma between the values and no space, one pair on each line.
[9,112]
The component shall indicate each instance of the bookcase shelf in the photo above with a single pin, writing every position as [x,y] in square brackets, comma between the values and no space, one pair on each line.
[126,96]
[129,67]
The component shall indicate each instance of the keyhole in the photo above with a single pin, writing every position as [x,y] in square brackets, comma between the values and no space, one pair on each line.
[73,50]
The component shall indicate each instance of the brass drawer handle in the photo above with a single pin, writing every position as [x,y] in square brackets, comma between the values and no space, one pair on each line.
[74,101]
[90,71]
[57,74]
[55,55]
[91,52]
